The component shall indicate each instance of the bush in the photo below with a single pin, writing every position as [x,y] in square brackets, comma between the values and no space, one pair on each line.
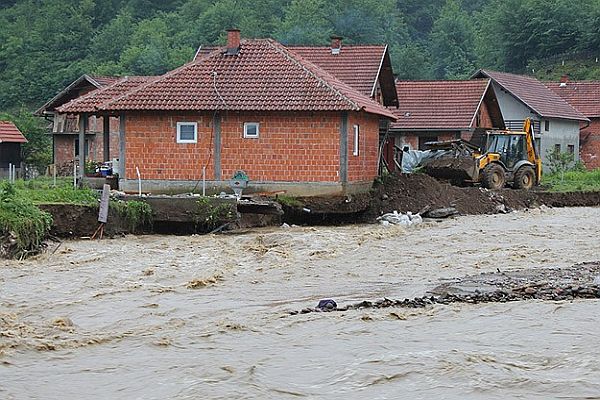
[23,226]
[137,214]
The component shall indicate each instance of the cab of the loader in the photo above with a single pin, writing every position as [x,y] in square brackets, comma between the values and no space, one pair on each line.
[511,147]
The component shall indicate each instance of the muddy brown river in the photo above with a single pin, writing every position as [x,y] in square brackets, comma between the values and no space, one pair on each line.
[165,317]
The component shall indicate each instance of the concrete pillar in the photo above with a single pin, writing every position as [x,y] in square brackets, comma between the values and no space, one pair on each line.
[344,148]
[83,122]
[122,146]
[217,146]
[106,136]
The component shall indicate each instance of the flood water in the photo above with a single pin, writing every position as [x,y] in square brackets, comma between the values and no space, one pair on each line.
[165,317]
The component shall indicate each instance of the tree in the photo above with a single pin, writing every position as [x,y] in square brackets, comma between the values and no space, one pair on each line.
[452,43]
[305,22]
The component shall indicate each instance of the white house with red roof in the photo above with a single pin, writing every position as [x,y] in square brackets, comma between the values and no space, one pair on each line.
[584,96]
[254,105]
[556,122]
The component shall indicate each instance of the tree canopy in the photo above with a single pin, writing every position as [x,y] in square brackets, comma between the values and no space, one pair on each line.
[46,44]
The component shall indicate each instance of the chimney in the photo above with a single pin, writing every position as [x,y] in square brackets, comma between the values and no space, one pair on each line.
[336,44]
[233,41]
[564,79]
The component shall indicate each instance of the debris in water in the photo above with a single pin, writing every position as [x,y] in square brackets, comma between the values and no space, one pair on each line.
[200,283]
[327,305]
[396,218]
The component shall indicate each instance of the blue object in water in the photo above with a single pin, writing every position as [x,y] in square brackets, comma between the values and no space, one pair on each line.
[327,305]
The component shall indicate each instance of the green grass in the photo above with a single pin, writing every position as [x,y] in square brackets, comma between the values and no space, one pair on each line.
[23,226]
[42,191]
[573,181]
[137,214]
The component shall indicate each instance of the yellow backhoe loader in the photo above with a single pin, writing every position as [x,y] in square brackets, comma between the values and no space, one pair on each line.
[508,157]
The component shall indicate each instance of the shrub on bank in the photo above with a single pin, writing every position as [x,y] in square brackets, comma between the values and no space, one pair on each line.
[23,226]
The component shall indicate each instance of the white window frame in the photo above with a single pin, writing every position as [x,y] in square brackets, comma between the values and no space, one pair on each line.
[179,125]
[246,125]
[355,149]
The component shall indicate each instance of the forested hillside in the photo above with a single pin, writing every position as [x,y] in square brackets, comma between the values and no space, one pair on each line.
[45,44]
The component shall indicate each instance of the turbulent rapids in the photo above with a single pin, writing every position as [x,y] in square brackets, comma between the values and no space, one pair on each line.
[209,316]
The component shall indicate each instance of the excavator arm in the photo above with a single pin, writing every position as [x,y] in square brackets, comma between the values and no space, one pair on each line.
[532,155]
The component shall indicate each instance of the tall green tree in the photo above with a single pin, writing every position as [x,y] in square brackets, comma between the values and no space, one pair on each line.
[305,22]
[452,43]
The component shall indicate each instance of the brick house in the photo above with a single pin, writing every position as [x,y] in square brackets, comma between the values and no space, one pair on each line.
[253,105]
[101,141]
[556,123]
[443,110]
[11,139]
[584,96]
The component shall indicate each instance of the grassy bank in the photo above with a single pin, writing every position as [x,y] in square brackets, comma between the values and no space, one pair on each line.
[573,181]
[23,226]
[43,191]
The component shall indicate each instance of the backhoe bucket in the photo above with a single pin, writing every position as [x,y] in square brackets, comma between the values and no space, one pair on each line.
[457,169]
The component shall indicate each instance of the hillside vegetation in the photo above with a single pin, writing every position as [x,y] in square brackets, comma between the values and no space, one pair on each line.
[46,44]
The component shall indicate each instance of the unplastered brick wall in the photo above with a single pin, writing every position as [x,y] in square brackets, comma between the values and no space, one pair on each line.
[64,149]
[291,147]
[363,166]
[64,144]
[590,144]
[151,145]
[485,121]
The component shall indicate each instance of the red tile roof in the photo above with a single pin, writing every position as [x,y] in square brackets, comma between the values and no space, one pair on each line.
[73,90]
[534,94]
[264,76]
[584,96]
[438,105]
[358,66]
[204,51]
[91,101]
[9,133]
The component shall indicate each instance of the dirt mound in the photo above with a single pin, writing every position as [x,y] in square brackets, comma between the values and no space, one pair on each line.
[415,192]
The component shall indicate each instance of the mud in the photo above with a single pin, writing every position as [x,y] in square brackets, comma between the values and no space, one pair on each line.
[76,221]
[207,316]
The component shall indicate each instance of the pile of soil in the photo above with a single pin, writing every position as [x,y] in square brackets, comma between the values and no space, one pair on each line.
[416,192]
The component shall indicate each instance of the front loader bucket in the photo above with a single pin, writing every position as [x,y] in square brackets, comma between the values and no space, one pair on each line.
[457,169]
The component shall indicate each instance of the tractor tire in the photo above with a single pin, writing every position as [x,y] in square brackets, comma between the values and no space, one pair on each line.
[524,178]
[493,177]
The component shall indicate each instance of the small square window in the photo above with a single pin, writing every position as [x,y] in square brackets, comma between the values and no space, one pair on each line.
[547,125]
[187,132]
[356,140]
[251,130]
[557,148]
[571,148]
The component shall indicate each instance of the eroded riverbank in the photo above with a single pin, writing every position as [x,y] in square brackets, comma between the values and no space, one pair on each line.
[208,316]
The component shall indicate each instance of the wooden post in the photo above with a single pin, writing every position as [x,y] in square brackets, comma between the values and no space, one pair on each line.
[106,136]
[82,127]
